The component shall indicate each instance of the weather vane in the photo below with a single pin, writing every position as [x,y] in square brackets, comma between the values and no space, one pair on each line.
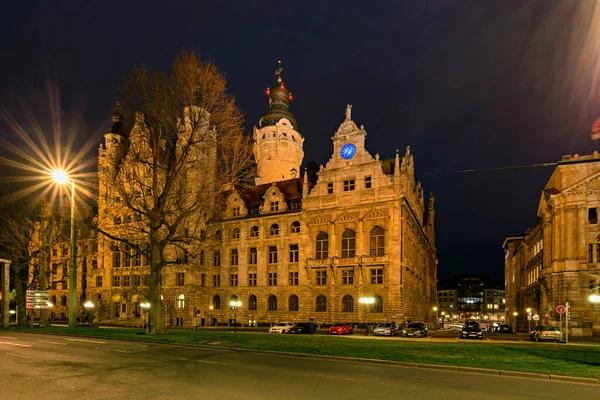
[278,72]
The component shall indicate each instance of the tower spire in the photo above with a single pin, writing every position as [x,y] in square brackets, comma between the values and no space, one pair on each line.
[278,72]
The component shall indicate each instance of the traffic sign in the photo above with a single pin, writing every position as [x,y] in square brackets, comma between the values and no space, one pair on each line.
[536,317]
[561,309]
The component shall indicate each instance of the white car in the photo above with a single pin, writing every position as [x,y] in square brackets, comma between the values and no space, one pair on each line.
[281,327]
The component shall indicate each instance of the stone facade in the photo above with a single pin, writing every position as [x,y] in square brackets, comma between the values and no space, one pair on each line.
[291,247]
[557,260]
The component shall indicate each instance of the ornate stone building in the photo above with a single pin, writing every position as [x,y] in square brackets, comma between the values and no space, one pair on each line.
[298,245]
[557,260]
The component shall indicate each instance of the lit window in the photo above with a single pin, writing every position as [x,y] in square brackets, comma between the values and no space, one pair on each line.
[181,301]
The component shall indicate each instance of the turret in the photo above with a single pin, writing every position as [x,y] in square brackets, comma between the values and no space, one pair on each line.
[277,143]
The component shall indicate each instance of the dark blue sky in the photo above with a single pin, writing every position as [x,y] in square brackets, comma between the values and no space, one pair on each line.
[467,84]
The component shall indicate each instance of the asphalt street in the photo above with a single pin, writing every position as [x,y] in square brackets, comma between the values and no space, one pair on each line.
[39,366]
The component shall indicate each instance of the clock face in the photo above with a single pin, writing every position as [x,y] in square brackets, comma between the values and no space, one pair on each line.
[348,151]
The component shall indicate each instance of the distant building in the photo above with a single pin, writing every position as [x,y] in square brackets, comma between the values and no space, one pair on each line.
[471,297]
[558,260]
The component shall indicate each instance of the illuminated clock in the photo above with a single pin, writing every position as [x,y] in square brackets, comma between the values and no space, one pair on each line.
[348,151]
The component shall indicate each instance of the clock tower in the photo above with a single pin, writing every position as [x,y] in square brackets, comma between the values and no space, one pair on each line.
[349,142]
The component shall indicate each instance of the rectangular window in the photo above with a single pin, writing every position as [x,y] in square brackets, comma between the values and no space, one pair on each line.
[591,253]
[201,257]
[252,256]
[294,253]
[272,279]
[236,211]
[233,279]
[348,277]
[598,252]
[217,258]
[126,280]
[272,254]
[136,280]
[137,259]
[180,279]
[293,278]
[146,280]
[94,263]
[251,279]
[274,206]
[117,258]
[98,281]
[127,258]
[216,280]
[116,281]
[234,257]
[330,188]
[202,280]
[592,215]
[55,252]
[322,277]
[377,276]
[367,182]
[348,185]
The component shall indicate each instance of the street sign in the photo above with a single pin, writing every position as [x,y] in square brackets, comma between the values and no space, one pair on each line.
[536,317]
[561,309]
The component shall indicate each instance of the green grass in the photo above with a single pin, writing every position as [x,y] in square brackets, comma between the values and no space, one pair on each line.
[554,359]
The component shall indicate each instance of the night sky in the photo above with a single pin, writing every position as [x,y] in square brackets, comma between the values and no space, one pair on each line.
[467,84]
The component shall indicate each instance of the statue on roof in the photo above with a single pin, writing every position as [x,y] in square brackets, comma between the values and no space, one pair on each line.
[348,112]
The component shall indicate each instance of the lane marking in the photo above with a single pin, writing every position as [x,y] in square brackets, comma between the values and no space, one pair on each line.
[183,359]
[86,341]
[122,351]
[206,362]
[19,355]
[9,337]
[16,344]
[144,345]
[47,341]
[224,364]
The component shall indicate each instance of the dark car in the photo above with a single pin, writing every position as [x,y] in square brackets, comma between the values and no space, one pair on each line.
[415,329]
[505,328]
[303,328]
[471,330]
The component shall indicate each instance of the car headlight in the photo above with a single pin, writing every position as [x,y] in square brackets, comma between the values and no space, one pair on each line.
[464,332]
[403,330]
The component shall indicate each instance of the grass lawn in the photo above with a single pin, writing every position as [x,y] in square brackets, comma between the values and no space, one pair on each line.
[554,359]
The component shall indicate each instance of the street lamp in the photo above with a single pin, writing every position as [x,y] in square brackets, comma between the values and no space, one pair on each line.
[88,305]
[529,318]
[210,315]
[443,316]
[367,301]
[235,304]
[595,298]
[437,315]
[61,177]
[146,307]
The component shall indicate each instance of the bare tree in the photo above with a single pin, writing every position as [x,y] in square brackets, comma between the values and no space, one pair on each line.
[185,147]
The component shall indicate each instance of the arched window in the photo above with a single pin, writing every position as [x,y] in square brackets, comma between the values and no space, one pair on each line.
[376,242]
[377,307]
[53,300]
[217,302]
[321,303]
[347,304]
[63,300]
[322,246]
[348,243]
[272,303]
[254,232]
[181,301]
[293,303]
[219,235]
[233,298]
[296,227]
[274,231]
[252,302]
[236,233]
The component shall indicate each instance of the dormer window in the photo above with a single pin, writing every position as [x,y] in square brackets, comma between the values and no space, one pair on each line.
[275,206]
[235,211]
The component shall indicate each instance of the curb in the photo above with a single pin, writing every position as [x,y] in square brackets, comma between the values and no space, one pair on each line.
[373,361]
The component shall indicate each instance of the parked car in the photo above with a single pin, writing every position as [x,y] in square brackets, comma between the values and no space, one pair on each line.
[340,328]
[471,330]
[505,328]
[415,329]
[303,328]
[281,327]
[545,332]
[386,329]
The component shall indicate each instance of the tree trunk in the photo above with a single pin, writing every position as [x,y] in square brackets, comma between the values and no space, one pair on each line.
[157,321]
[20,288]
[44,264]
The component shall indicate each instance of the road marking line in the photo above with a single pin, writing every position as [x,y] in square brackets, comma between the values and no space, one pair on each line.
[9,337]
[144,345]
[47,341]
[224,364]
[183,359]
[86,341]
[15,344]
[123,351]
[206,362]
[19,355]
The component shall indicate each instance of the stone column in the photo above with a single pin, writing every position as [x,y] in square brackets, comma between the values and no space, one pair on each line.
[556,235]
[570,229]
[581,227]
[548,242]
[563,234]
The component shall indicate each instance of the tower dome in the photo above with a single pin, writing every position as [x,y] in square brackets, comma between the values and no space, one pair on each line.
[279,100]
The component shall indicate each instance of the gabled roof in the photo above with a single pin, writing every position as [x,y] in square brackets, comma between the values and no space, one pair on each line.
[290,188]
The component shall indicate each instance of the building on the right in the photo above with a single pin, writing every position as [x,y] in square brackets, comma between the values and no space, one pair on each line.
[558,260]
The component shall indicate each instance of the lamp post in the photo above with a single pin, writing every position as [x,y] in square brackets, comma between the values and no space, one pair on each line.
[529,318]
[146,307]
[437,315]
[235,304]
[443,316]
[210,315]
[88,305]
[61,177]
[367,301]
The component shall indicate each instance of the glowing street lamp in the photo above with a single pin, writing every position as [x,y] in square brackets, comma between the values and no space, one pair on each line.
[146,307]
[367,301]
[595,298]
[62,178]
[235,304]
[529,317]
[210,315]
[443,316]
[88,305]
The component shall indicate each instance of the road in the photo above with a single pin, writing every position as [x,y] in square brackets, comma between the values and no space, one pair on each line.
[61,367]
